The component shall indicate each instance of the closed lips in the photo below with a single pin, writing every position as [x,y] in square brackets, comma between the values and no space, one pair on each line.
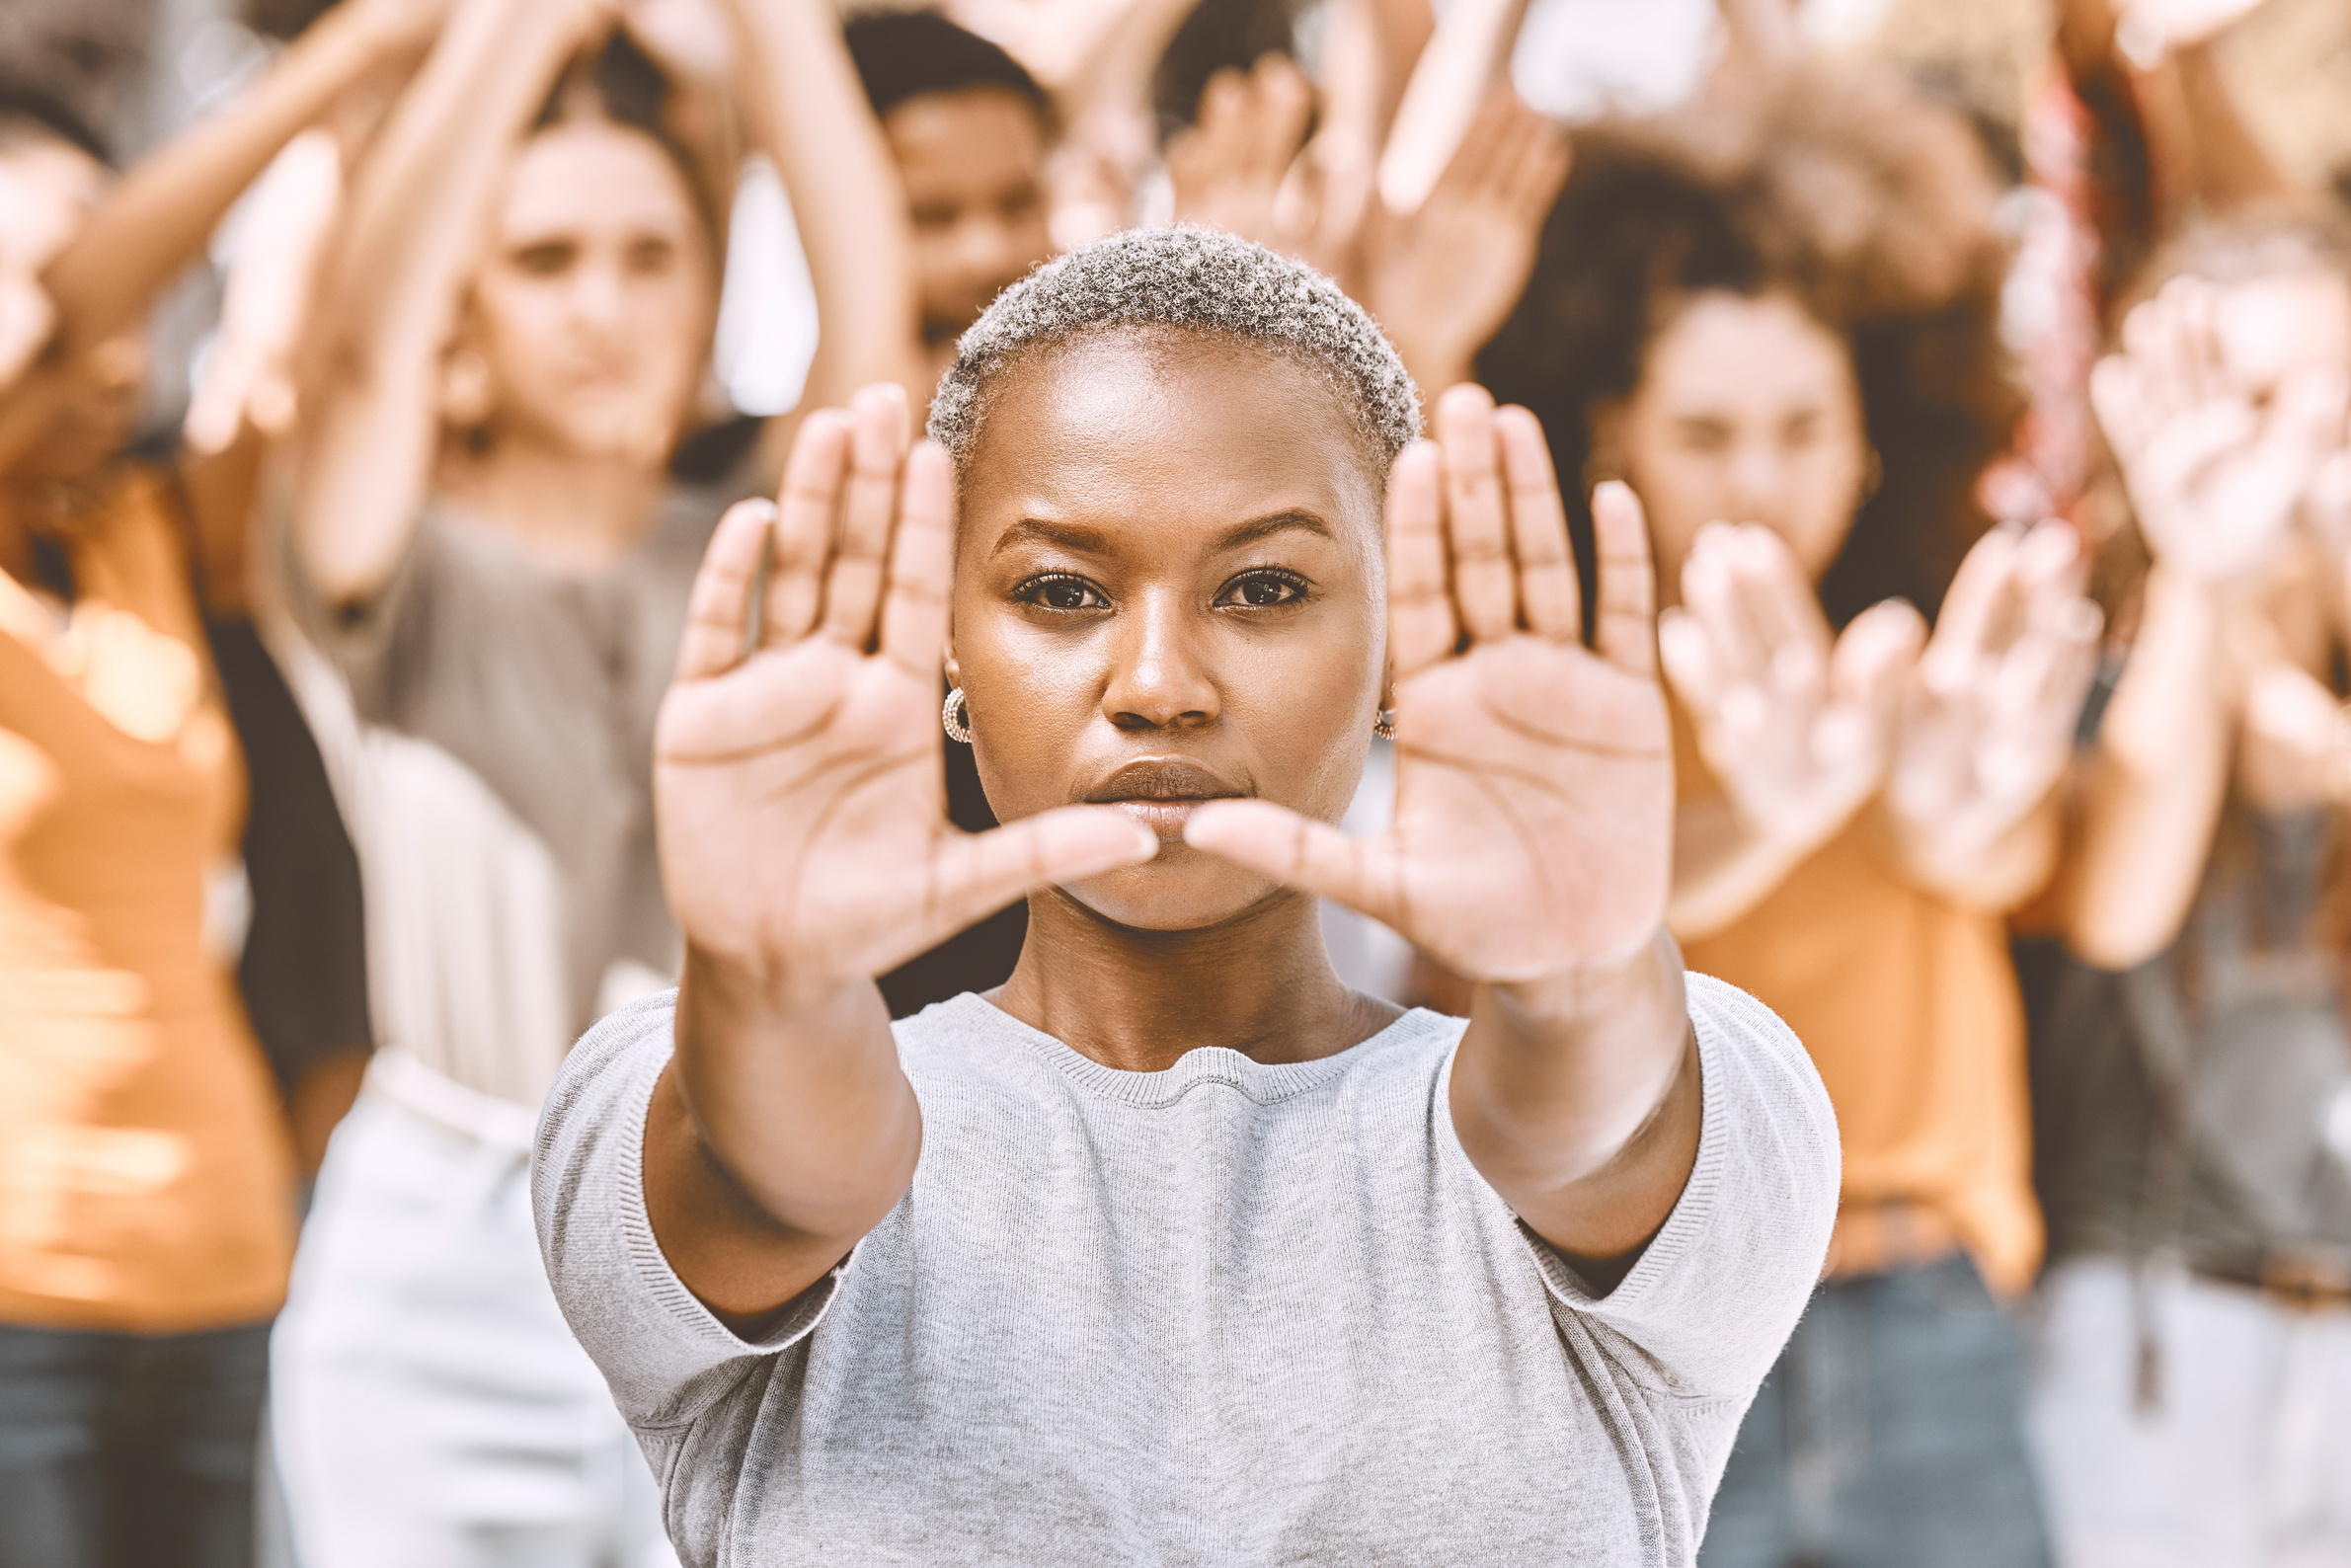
[1162,792]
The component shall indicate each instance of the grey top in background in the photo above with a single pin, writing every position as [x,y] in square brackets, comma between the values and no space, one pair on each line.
[2201,1103]
[1226,1313]
[544,684]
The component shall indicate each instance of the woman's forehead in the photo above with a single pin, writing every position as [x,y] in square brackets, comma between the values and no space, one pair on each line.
[1169,426]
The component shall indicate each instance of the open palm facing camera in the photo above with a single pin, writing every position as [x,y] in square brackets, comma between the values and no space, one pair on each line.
[1535,788]
[798,789]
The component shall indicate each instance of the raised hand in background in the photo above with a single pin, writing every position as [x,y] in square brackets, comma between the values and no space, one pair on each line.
[1444,279]
[1796,725]
[2218,448]
[1232,170]
[1988,717]
[799,792]
[250,375]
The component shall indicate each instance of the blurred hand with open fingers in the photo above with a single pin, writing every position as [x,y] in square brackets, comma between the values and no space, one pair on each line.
[1798,725]
[2218,441]
[1230,167]
[799,793]
[1990,714]
[1535,781]
[249,374]
[1443,279]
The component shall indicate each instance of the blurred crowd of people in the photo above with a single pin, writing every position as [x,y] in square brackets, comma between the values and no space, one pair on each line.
[1994,429]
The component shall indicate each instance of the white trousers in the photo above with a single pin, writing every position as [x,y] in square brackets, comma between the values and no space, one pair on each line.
[2245,1461]
[428,1403]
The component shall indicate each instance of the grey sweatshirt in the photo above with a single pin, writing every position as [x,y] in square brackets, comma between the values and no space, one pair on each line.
[1224,1313]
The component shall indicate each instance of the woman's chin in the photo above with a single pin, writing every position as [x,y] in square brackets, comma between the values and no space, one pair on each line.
[1182,888]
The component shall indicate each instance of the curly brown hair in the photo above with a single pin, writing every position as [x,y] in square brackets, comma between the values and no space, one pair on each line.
[1848,191]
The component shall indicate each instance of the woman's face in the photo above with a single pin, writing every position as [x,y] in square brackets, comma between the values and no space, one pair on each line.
[1169,586]
[594,309]
[973,164]
[1747,411]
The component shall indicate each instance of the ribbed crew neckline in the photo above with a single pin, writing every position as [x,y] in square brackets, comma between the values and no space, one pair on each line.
[1263,1082]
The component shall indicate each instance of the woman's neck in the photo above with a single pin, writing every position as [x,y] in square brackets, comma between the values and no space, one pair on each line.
[582,513]
[1260,983]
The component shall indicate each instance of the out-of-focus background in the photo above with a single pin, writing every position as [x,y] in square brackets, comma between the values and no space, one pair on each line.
[371,375]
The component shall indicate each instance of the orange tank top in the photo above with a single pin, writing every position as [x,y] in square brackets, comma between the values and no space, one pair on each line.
[145,1179]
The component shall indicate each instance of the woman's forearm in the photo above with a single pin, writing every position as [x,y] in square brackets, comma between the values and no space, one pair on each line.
[2156,782]
[1578,1099]
[416,221]
[783,1130]
[158,217]
[811,118]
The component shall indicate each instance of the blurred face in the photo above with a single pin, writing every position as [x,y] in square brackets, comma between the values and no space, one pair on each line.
[594,309]
[1747,411]
[973,167]
[1168,587]
[47,188]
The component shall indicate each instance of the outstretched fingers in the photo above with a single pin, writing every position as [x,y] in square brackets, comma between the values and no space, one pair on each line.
[1419,613]
[877,450]
[1550,594]
[718,613]
[805,509]
[1300,852]
[980,873]
[1485,587]
[914,611]
[1625,609]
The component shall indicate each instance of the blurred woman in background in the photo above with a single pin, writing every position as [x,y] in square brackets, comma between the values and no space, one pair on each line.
[490,550]
[146,1210]
[2192,1071]
[1776,318]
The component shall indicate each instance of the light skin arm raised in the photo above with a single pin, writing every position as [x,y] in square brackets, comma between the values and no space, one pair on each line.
[811,118]
[2155,783]
[415,226]
[801,806]
[1533,837]
[2217,469]
[157,218]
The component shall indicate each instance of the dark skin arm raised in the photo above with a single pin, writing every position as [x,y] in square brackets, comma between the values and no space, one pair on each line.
[800,805]
[1534,832]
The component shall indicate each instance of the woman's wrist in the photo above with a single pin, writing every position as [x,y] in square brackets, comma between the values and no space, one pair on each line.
[740,992]
[1637,976]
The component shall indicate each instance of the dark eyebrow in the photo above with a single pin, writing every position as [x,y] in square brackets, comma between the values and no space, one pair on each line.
[1279,522]
[1070,536]
[1089,541]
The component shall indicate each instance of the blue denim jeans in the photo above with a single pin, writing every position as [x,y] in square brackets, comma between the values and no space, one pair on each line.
[1891,1434]
[130,1450]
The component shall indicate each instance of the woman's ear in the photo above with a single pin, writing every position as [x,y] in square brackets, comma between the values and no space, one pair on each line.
[954,675]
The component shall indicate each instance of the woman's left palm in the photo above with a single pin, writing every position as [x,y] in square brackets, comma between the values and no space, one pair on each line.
[1535,777]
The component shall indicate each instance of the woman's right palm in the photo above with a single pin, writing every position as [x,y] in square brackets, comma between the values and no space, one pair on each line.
[798,790]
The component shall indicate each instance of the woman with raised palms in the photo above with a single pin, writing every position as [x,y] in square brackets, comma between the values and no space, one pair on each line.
[1172,1248]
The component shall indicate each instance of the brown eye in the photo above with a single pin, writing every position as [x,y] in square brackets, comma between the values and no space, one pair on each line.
[1262,591]
[1061,593]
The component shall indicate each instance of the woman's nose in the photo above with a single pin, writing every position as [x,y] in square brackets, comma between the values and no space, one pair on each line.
[1160,679]
[596,295]
[1756,477]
